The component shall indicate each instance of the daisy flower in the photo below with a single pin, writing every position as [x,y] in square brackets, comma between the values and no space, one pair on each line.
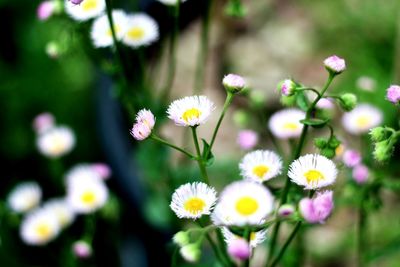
[101,30]
[87,196]
[142,30]
[260,165]
[256,238]
[56,142]
[62,211]
[361,119]
[312,171]
[286,124]
[86,10]
[39,227]
[144,125]
[242,203]
[190,110]
[193,200]
[318,209]
[82,173]
[24,197]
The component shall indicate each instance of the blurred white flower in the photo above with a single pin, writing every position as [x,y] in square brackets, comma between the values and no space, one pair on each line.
[86,10]
[24,197]
[142,30]
[362,118]
[101,33]
[56,142]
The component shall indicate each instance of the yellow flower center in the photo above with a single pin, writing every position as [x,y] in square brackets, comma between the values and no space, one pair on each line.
[89,5]
[57,145]
[88,197]
[43,230]
[290,126]
[136,33]
[190,114]
[313,176]
[362,121]
[246,206]
[339,150]
[260,170]
[194,205]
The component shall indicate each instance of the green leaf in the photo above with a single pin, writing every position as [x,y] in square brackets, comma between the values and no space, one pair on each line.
[315,122]
[302,101]
[209,160]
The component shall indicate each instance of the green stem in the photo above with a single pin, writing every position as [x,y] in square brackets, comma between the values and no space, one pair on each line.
[199,157]
[162,141]
[309,89]
[362,216]
[202,56]
[246,236]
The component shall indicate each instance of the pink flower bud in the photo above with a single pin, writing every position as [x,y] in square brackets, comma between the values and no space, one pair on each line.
[351,158]
[239,249]
[82,249]
[335,64]
[287,87]
[393,94]
[247,139]
[76,2]
[316,210]
[45,10]
[43,122]
[140,131]
[102,169]
[360,173]
[233,83]
[286,210]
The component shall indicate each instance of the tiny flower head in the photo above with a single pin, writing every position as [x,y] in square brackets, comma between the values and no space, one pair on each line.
[378,134]
[361,119]
[256,238]
[393,94]
[239,249]
[43,122]
[286,124]
[348,101]
[45,9]
[312,171]
[140,131]
[146,117]
[286,210]
[233,83]
[191,252]
[366,83]
[56,142]
[192,200]
[351,158]
[287,87]
[247,139]
[82,249]
[242,203]
[103,170]
[85,10]
[260,165]
[24,197]
[39,227]
[360,173]
[181,238]
[318,209]
[383,150]
[53,49]
[325,103]
[61,210]
[190,110]
[335,64]
[141,30]
[80,174]
[101,33]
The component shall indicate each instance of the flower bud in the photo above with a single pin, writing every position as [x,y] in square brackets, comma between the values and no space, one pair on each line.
[335,65]
[393,94]
[235,9]
[318,209]
[288,101]
[351,158]
[53,50]
[82,249]
[287,87]
[360,174]
[383,150]
[45,10]
[181,238]
[43,122]
[286,210]
[320,142]
[102,169]
[328,152]
[378,134]
[239,249]
[233,83]
[191,252]
[348,101]
[334,142]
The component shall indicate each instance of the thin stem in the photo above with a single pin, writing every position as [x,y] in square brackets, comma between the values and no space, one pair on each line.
[309,89]
[199,157]
[162,141]
[202,56]
[246,236]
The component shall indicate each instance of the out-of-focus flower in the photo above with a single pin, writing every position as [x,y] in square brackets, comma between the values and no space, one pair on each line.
[102,169]
[360,173]
[101,33]
[287,87]
[242,203]
[247,139]
[24,197]
[393,94]
[286,210]
[53,49]
[43,122]
[366,83]
[142,30]
[82,249]
[39,227]
[190,110]
[351,158]
[56,142]
[62,211]
[286,124]
[46,9]
[241,118]
[256,238]
[181,238]
[239,249]
[335,64]
[325,103]
[191,252]
[193,200]
[76,2]
[260,165]
[86,10]
[233,83]
[312,171]
[361,119]
[318,209]
[82,173]
[170,2]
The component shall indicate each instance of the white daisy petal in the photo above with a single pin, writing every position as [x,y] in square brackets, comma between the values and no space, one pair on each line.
[242,203]
[56,142]
[86,10]
[313,171]
[285,124]
[62,211]
[142,30]
[256,238]
[193,200]
[81,173]
[361,119]
[24,197]
[190,110]
[260,165]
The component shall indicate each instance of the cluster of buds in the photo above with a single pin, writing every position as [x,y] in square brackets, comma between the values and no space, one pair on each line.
[327,147]
[385,138]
